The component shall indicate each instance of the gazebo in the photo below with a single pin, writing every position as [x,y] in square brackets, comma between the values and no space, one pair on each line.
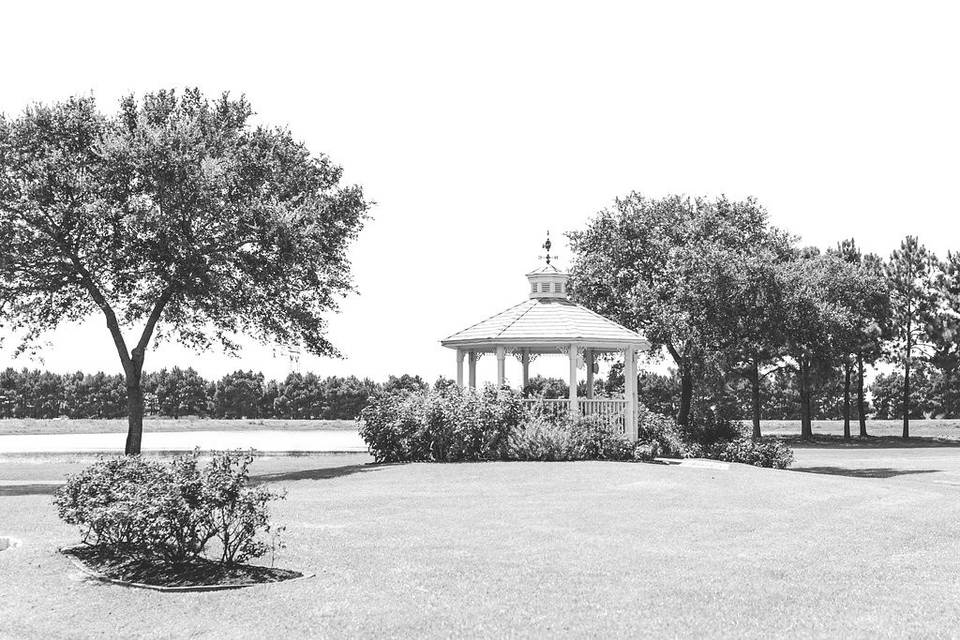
[548,322]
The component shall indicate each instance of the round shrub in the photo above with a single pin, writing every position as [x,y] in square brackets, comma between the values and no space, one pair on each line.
[169,512]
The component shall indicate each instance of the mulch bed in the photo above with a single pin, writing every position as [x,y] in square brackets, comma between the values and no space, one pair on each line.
[200,574]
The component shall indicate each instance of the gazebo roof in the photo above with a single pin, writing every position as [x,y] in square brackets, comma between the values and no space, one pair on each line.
[547,321]
[542,324]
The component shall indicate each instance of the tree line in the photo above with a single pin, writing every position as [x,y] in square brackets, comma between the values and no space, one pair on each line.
[180,392]
[741,307]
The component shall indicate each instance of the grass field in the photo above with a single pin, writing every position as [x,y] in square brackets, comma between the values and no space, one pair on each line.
[28,426]
[532,549]
[949,429]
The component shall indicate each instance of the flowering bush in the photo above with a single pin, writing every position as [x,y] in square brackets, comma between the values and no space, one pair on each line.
[169,512]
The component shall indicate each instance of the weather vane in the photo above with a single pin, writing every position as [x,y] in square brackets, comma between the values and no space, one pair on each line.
[546,246]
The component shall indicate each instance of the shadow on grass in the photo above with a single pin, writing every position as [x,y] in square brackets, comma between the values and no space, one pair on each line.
[38,489]
[878,472]
[870,442]
[324,473]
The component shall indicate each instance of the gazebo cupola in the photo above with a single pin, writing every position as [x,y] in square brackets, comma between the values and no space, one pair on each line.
[547,281]
[548,322]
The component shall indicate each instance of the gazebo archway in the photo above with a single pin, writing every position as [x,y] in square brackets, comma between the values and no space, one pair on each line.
[548,322]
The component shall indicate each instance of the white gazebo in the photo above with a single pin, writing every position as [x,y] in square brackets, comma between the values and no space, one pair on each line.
[548,322]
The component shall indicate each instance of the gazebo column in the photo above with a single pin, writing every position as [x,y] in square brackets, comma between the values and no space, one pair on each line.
[589,358]
[630,392]
[472,369]
[460,355]
[501,366]
[574,409]
[525,361]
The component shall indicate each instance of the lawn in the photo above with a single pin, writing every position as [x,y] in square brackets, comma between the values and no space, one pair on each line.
[532,549]
[29,426]
[949,429]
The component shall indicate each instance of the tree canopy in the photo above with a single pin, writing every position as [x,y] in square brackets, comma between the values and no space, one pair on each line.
[176,217]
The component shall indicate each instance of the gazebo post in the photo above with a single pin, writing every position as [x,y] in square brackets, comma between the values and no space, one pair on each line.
[630,392]
[525,361]
[589,358]
[574,409]
[472,369]
[460,355]
[501,366]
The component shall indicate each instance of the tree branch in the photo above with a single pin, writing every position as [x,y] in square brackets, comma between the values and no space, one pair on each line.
[155,313]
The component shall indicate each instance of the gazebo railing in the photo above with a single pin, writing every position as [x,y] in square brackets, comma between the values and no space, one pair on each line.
[610,410]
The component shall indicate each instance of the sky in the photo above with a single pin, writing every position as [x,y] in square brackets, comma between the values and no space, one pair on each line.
[478,127]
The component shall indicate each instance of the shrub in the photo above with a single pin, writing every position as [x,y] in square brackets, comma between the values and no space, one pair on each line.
[711,427]
[654,428]
[169,512]
[540,438]
[596,439]
[646,451]
[237,513]
[443,425]
[759,453]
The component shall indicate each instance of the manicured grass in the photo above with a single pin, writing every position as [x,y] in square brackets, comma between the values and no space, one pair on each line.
[949,429]
[11,426]
[532,549]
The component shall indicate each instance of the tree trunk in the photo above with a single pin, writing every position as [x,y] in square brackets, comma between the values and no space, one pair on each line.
[846,398]
[755,390]
[806,426]
[861,402]
[947,384]
[686,396]
[906,387]
[134,414]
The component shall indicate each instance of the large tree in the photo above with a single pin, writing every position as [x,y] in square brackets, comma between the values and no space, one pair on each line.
[823,324]
[910,275]
[174,217]
[662,265]
[750,326]
[867,305]
[943,330]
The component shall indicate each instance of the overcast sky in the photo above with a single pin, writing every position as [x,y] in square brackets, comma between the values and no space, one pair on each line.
[476,129]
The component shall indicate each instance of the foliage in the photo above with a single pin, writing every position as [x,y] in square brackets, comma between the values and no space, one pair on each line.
[544,439]
[169,512]
[757,452]
[406,382]
[925,394]
[546,388]
[910,277]
[237,395]
[174,216]
[177,392]
[441,425]
[452,424]
[662,431]
[664,267]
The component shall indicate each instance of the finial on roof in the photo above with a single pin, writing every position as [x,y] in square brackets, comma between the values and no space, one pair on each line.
[546,245]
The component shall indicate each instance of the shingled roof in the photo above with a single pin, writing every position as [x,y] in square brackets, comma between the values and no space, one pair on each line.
[545,321]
